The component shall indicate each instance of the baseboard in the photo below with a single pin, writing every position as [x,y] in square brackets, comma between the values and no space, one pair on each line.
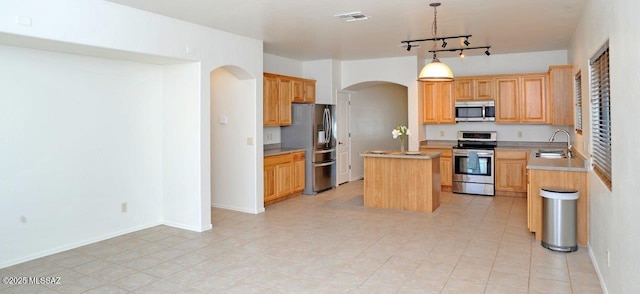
[257,211]
[595,265]
[75,245]
[186,227]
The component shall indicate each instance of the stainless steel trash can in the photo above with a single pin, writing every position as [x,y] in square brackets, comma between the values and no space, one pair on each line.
[559,222]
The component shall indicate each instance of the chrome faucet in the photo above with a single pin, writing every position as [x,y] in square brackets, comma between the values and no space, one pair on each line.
[553,137]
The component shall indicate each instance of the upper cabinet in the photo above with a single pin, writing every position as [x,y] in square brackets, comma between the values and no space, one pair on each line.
[271,101]
[279,92]
[561,95]
[438,102]
[474,88]
[521,99]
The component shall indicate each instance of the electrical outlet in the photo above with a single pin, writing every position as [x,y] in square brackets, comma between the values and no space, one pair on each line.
[608,258]
[249,141]
[441,133]
[519,134]
[123,207]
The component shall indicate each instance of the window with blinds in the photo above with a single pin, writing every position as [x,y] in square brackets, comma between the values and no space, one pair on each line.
[601,114]
[578,87]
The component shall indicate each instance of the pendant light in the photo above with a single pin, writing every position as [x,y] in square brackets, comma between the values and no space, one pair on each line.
[435,71]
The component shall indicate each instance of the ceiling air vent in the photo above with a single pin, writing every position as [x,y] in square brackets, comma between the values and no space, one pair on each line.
[352,16]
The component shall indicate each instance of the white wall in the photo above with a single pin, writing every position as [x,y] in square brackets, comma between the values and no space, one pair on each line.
[79,136]
[326,72]
[614,218]
[138,33]
[529,62]
[282,65]
[375,111]
[401,71]
[180,98]
[229,189]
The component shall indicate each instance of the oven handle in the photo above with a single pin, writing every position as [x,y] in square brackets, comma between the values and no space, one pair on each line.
[467,153]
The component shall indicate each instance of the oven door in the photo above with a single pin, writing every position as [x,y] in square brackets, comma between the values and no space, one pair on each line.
[470,170]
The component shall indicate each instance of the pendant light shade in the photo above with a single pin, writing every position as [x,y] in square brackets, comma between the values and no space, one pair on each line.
[435,71]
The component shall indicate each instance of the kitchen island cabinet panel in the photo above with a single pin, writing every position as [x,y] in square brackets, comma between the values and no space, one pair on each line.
[402,182]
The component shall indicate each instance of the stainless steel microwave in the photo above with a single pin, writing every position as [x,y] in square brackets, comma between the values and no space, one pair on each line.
[476,111]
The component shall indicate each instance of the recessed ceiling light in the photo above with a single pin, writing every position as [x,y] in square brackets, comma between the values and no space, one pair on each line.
[352,16]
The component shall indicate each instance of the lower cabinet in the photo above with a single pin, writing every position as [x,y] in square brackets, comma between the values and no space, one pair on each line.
[283,176]
[511,172]
[298,171]
[446,166]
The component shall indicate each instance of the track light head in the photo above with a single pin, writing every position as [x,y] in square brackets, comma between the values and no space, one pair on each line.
[444,43]
[487,52]
[466,41]
[461,54]
[409,47]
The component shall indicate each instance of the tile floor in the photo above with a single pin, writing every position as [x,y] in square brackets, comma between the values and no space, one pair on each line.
[327,244]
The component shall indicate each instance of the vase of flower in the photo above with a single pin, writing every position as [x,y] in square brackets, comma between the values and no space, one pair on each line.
[401,132]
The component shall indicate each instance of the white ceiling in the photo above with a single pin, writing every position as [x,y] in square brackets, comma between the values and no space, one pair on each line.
[308,30]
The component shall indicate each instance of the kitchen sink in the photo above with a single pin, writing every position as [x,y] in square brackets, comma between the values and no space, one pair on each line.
[551,153]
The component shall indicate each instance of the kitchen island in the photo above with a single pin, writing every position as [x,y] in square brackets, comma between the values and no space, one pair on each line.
[402,180]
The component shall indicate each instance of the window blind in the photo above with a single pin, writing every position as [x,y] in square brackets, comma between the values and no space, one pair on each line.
[578,94]
[601,114]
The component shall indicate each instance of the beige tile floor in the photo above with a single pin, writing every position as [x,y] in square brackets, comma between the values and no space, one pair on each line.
[328,243]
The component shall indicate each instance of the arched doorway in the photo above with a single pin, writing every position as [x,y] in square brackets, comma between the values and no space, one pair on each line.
[232,140]
[375,108]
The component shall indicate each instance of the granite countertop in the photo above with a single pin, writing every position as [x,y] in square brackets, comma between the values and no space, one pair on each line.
[398,154]
[575,164]
[278,151]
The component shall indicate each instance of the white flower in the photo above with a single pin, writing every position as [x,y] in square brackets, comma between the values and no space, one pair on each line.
[401,131]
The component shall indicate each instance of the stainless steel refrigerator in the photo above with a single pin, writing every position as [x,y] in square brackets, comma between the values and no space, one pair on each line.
[313,128]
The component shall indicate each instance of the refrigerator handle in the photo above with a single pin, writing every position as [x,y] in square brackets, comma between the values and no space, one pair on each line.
[327,125]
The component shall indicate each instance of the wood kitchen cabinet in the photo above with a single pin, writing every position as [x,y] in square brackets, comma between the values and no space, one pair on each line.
[271,102]
[298,171]
[285,97]
[279,92]
[438,103]
[309,91]
[474,88]
[521,99]
[284,176]
[304,91]
[561,104]
[511,172]
[446,166]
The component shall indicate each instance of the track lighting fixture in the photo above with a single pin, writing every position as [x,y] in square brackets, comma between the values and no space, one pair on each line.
[436,70]
[461,54]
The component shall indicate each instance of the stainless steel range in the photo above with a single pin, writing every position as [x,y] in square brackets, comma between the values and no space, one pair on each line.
[473,163]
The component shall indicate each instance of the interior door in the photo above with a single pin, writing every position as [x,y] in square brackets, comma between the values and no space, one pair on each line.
[344,161]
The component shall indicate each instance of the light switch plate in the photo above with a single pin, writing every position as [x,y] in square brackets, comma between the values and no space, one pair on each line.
[249,141]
